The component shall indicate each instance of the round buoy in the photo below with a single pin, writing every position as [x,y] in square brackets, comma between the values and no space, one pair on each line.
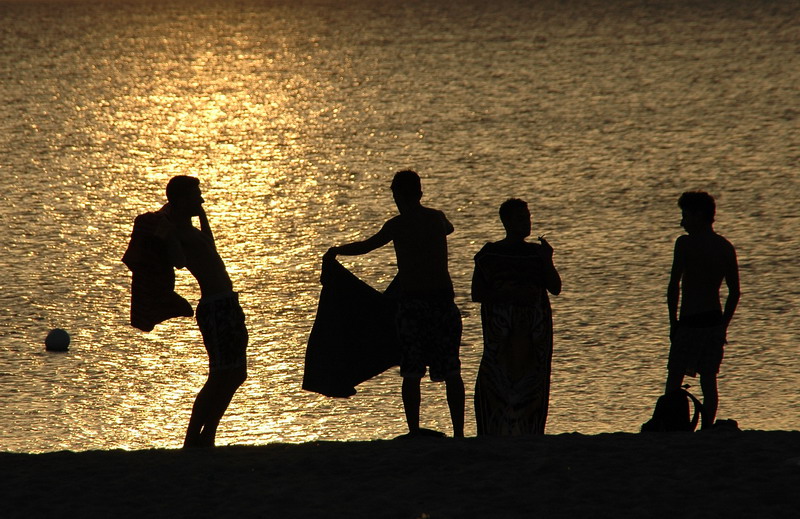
[57,340]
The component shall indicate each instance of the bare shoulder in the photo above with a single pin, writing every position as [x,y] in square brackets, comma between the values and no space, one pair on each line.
[392,222]
[682,242]
[441,217]
[430,211]
[723,245]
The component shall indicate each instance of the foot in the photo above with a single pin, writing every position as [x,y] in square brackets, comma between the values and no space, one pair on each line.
[423,433]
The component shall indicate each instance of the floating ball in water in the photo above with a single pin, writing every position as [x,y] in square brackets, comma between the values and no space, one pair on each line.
[57,340]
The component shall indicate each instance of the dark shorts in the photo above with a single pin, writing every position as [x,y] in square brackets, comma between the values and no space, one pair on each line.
[697,350]
[221,321]
[429,332]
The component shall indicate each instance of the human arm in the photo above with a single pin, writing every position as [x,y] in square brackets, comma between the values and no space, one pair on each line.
[674,285]
[448,227]
[552,279]
[358,248]
[479,288]
[734,293]
[205,227]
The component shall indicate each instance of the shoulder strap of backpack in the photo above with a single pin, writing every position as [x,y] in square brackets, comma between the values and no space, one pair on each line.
[698,409]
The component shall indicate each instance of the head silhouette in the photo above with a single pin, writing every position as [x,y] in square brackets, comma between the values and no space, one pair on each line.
[697,211]
[183,194]
[516,218]
[698,202]
[180,186]
[407,185]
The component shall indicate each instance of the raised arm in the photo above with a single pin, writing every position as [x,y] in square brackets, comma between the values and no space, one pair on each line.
[448,227]
[552,279]
[204,225]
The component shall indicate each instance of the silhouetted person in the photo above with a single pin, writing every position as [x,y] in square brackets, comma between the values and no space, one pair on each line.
[511,280]
[702,260]
[428,320]
[219,316]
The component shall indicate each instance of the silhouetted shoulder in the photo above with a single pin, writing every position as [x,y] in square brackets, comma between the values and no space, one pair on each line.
[726,243]
[487,247]
[441,217]
[682,238]
[424,220]
[506,249]
[711,240]
[391,224]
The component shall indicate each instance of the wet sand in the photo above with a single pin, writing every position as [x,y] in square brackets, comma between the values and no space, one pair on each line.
[707,474]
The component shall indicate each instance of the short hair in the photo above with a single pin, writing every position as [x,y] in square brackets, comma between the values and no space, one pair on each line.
[511,206]
[698,201]
[178,186]
[407,183]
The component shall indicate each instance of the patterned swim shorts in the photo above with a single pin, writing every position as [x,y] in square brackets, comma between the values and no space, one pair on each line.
[429,332]
[221,321]
[697,350]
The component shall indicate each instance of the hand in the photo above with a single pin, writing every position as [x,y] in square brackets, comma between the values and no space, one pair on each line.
[330,254]
[547,249]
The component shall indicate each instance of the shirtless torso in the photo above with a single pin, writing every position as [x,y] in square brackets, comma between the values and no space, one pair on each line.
[702,261]
[420,244]
[204,262]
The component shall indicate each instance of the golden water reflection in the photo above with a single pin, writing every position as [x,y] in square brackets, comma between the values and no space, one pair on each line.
[295,116]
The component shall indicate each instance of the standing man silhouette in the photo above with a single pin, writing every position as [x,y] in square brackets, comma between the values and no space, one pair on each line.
[428,320]
[701,261]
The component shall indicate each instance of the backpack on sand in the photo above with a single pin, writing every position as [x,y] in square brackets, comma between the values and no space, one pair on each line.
[672,412]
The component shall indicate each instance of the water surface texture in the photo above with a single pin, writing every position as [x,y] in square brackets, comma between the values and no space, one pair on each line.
[295,114]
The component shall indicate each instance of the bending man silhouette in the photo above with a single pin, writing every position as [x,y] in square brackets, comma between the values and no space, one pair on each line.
[428,320]
[219,316]
[701,261]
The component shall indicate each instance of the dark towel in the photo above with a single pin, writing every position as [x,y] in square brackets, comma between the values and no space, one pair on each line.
[353,338]
[153,297]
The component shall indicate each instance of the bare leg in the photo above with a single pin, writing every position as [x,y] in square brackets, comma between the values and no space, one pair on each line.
[197,420]
[710,399]
[211,403]
[674,381]
[411,401]
[219,404]
[455,401]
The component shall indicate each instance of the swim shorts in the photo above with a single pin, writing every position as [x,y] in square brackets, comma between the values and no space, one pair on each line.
[221,321]
[429,331]
[697,350]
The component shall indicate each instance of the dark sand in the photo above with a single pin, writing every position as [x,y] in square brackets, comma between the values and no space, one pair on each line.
[708,474]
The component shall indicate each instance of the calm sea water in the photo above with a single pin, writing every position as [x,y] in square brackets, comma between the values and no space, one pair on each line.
[295,114]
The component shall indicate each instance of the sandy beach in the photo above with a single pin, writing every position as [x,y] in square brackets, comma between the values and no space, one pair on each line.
[707,474]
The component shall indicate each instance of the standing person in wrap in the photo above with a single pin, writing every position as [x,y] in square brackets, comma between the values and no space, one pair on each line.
[511,280]
[428,320]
